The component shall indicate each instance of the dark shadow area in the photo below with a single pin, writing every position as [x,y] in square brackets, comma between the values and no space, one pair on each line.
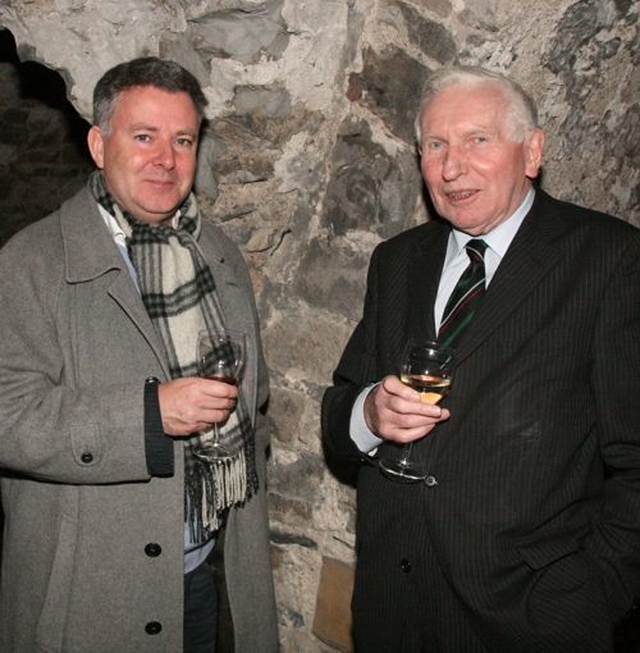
[627,634]
[43,153]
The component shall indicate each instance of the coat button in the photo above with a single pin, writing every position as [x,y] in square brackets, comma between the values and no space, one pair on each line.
[153,550]
[431,481]
[405,565]
[153,627]
[86,457]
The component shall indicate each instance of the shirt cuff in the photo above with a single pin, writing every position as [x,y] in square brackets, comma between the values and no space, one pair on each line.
[366,441]
[158,447]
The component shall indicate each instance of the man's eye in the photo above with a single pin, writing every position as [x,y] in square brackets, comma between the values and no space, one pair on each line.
[143,138]
[185,142]
[433,146]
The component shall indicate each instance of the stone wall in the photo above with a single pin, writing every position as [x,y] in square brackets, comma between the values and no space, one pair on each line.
[309,161]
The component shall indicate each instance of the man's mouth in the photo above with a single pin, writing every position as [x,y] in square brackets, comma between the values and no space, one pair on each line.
[460,195]
[161,183]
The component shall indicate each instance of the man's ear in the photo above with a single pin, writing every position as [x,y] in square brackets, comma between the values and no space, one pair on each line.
[534,149]
[95,141]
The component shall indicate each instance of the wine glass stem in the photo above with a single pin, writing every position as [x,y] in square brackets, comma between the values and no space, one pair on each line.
[216,434]
[406,454]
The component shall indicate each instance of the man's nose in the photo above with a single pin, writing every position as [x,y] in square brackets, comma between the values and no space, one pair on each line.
[165,154]
[454,163]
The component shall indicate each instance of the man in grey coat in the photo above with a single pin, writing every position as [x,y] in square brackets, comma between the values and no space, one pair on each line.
[112,519]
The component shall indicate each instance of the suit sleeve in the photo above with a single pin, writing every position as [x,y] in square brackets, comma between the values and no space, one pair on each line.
[357,368]
[615,383]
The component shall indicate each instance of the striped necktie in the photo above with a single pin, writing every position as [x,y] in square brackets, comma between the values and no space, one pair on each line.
[466,296]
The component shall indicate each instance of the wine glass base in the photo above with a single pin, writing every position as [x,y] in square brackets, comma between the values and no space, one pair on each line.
[213,454]
[401,471]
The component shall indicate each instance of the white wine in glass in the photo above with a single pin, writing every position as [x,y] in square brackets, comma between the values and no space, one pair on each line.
[428,368]
[432,388]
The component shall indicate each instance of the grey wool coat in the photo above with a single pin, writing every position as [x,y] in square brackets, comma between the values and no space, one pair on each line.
[76,346]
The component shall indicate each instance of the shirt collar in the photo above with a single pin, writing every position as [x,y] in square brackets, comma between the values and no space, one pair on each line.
[500,237]
[116,230]
[112,225]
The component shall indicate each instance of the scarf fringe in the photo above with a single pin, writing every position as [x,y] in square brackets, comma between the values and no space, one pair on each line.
[211,495]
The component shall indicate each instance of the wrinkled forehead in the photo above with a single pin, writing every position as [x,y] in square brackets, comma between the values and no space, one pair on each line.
[480,105]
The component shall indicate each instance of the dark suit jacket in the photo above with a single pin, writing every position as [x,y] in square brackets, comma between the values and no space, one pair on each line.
[530,540]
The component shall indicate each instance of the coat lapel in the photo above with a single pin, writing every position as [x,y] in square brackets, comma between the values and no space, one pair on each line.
[236,297]
[91,253]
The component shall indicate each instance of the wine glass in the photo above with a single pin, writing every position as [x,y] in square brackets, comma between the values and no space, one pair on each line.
[221,356]
[428,368]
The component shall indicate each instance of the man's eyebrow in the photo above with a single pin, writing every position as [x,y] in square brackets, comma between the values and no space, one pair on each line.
[189,131]
[144,125]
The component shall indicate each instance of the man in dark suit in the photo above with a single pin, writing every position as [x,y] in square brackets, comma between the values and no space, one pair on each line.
[524,536]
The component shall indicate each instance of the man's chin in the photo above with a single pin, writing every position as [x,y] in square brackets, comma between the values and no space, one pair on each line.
[157,213]
[154,217]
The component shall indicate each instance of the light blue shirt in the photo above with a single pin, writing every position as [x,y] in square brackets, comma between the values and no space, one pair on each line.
[195,554]
[455,262]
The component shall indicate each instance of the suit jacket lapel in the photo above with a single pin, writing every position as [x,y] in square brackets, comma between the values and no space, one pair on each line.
[423,279]
[529,258]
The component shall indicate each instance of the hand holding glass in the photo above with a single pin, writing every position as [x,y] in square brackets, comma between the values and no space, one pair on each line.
[428,368]
[221,357]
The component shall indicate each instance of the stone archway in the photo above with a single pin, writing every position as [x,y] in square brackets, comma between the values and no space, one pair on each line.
[43,157]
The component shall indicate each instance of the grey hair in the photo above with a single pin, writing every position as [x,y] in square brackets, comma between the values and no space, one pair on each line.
[522,114]
[144,71]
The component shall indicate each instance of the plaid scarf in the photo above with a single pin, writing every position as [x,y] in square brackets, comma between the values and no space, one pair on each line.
[179,294]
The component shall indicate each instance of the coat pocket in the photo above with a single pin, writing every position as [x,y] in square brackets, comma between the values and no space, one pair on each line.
[565,597]
[51,625]
[540,553]
[559,564]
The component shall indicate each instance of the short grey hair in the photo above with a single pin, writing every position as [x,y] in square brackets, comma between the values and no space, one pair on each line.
[145,71]
[521,111]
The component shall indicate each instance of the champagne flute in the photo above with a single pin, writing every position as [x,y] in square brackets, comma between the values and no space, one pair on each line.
[428,368]
[221,356]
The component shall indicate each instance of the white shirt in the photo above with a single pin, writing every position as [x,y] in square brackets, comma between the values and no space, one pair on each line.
[195,554]
[455,262]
